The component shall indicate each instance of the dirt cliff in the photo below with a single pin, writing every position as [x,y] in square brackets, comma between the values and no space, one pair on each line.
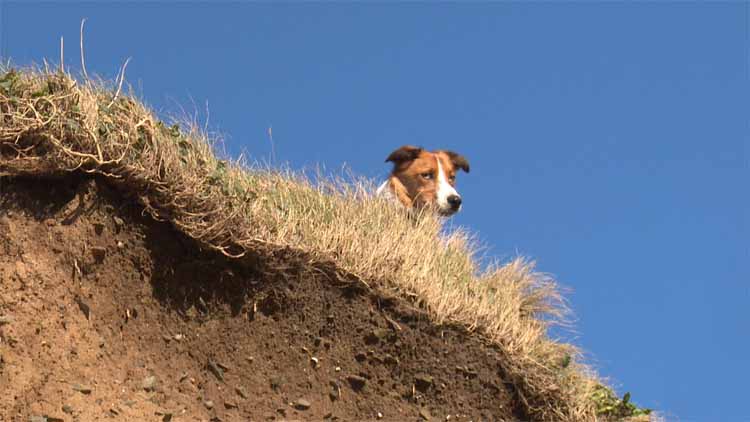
[108,314]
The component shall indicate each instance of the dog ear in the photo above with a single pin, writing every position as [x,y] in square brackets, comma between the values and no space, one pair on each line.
[458,160]
[404,154]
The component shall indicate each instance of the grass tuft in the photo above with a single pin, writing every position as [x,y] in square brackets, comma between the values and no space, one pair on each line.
[52,124]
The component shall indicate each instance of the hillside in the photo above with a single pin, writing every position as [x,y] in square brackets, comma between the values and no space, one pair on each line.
[146,279]
[156,305]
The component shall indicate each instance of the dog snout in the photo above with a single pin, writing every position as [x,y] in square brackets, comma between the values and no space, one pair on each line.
[454,201]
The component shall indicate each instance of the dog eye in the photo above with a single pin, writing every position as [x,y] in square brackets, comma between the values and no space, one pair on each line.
[427,176]
[452,177]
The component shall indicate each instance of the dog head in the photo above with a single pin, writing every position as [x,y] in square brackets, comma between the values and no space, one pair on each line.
[422,178]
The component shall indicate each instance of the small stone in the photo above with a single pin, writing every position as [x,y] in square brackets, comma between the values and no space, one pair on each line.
[67,408]
[468,372]
[216,370]
[37,419]
[192,312]
[357,383]
[302,404]
[98,253]
[315,362]
[82,388]
[337,369]
[149,383]
[230,404]
[83,306]
[425,414]
[120,245]
[241,392]
[209,404]
[179,337]
[378,334]
[336,393]
[379,415]
[119,222]
[423,382]
[390,359]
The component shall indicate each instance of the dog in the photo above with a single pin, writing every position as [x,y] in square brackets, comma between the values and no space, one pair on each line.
[424,179]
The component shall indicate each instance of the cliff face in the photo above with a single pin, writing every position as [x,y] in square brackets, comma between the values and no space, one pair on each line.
[107,313]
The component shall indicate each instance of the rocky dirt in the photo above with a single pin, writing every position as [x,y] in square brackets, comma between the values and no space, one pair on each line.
[108,315]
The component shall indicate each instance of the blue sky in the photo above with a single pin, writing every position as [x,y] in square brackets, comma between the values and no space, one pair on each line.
[608,141]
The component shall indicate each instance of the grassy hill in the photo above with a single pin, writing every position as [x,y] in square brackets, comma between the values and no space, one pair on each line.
[53,126]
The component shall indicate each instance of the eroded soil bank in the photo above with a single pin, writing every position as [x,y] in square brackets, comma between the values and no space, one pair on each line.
[107,314]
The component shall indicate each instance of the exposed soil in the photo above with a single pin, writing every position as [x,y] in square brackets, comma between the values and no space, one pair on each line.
[107,314]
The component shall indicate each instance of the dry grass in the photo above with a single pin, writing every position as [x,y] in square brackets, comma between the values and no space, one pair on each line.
[51,124]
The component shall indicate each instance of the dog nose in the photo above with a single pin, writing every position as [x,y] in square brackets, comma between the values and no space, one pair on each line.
[454,201]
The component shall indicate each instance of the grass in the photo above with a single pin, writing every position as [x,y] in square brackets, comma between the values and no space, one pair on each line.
[51,124]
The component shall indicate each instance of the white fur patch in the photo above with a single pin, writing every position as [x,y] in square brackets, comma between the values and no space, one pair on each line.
[444,189]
